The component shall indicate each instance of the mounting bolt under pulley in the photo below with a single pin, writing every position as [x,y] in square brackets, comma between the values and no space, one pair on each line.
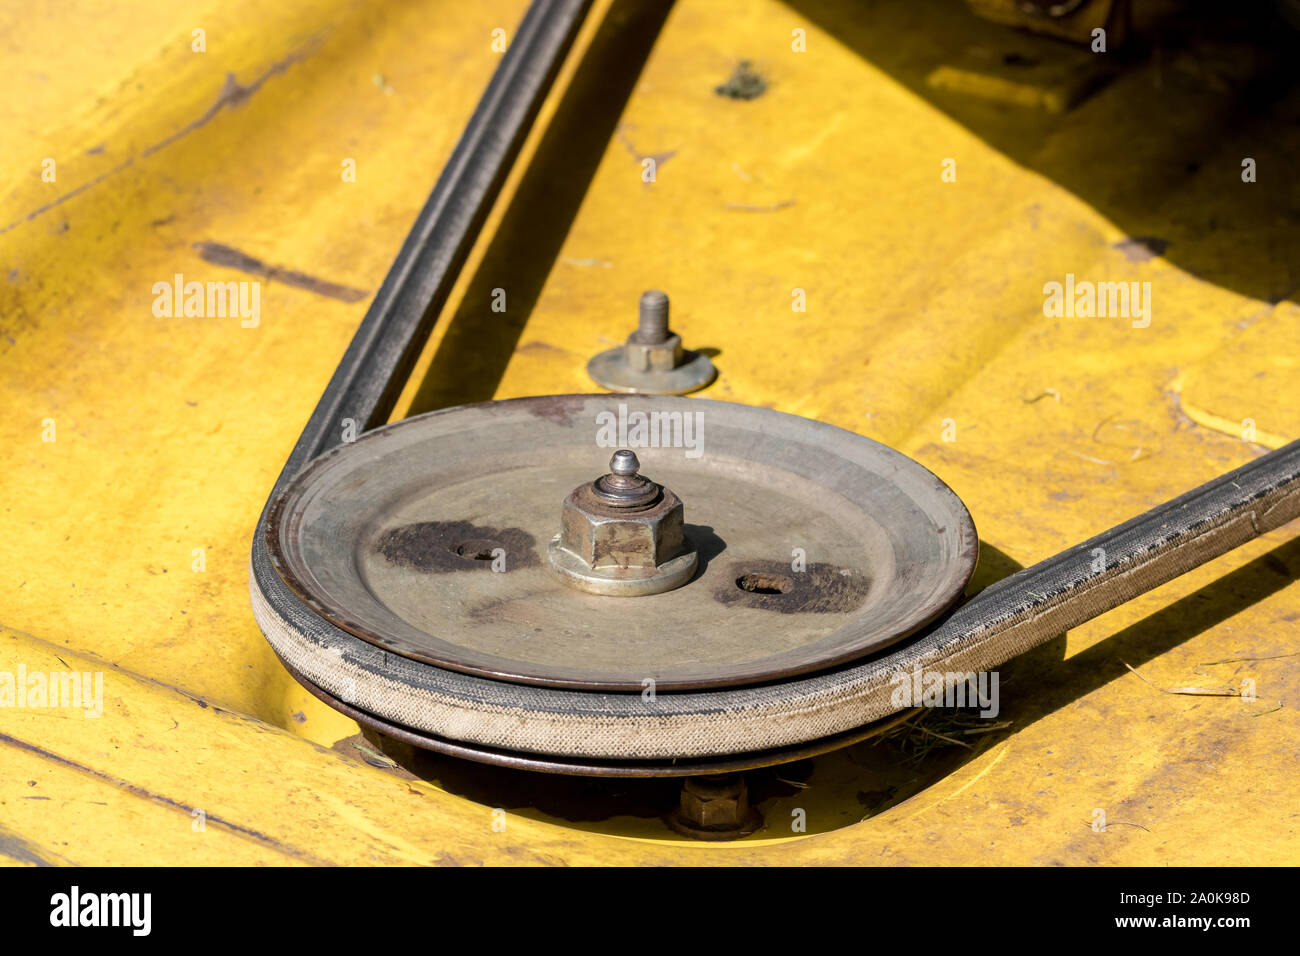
[715,807]
[652,361]
[622,535]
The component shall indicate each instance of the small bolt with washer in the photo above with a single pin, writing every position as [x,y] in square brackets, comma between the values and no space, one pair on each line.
[652,362]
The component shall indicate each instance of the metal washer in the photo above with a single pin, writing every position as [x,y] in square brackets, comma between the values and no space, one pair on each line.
[610,370]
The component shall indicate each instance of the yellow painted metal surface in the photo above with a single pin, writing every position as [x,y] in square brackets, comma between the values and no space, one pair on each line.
[139,448]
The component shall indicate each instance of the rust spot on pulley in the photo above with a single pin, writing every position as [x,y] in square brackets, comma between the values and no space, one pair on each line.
[442,546]
[775,586]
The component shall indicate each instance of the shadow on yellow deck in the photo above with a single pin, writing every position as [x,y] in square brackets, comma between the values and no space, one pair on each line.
[125,545]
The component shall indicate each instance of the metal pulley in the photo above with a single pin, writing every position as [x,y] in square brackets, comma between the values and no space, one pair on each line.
[410,580]
[475,540]
[741,588]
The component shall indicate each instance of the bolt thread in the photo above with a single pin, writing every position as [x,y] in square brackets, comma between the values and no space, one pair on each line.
[652,326]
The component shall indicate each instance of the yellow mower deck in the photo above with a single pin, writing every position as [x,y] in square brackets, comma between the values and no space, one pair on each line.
[125,547]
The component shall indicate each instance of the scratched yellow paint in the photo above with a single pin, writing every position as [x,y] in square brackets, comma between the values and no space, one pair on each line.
[923,320]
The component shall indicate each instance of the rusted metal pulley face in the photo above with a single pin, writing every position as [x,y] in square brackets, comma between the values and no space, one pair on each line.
[432,538]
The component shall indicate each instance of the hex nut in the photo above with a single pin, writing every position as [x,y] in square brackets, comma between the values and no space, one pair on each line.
[622,535]
[605,537]
[653,356]
[715,808]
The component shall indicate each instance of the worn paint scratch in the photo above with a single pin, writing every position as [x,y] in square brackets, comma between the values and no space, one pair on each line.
[220,255]
[232,94]
[139,791]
